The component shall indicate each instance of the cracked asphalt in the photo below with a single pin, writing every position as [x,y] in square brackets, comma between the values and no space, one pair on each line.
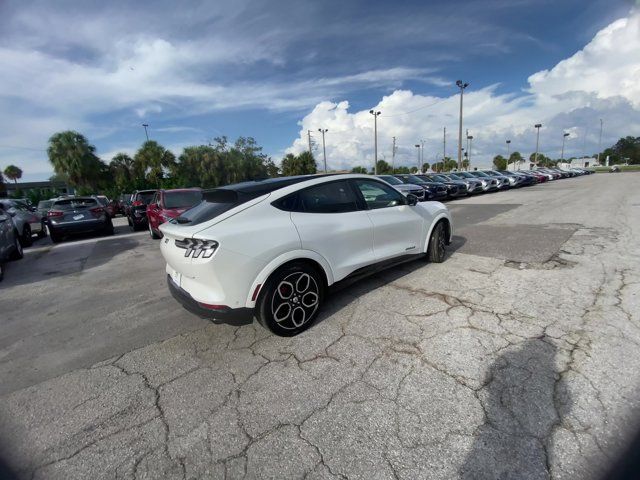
[516,358]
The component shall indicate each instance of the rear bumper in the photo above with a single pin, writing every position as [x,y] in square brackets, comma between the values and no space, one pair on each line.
[79,227]
[191,305]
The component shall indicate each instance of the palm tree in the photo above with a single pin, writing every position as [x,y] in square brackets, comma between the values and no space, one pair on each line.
[13,173]
[121,168]
[72,155]
[153,159]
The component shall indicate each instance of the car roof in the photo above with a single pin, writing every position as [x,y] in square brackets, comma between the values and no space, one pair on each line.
[267,185]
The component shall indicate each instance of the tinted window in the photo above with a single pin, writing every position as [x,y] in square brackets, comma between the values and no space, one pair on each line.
[184,199]
[378,195]
[215,202]
[145,197]
[390,179]
[103,201]
[332,197]
[74,203]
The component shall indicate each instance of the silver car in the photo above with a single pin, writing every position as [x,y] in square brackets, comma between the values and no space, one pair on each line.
[405,188]
[10,247]
[26,221]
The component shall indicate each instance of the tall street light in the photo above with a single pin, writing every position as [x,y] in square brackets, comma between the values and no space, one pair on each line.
[417,145]
[145,125]
[375,140]
[564,137]
[600,142]
[537,127]
[461,85]
[324,150]
[470,140]
[508,142]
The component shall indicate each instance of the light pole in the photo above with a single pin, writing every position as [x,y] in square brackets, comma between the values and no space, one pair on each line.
[375,140]
[145,125]
[418,149]
[324,149]
[600,142]
[470,139]
[564,137]
[461,85]
[537,127]
[421,155]
[508,142]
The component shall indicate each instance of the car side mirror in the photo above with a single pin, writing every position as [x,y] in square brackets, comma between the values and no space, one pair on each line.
[412,199]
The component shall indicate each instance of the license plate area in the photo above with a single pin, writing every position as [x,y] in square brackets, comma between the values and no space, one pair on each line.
[176,277]
[80,216]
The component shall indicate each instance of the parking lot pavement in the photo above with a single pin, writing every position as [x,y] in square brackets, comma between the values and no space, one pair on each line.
[515,358]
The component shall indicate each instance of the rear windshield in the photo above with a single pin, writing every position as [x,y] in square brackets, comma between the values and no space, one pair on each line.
[214,203]
[74,203]
[145,197]
[44,204]
[103,201]
[183,199]
[390,179]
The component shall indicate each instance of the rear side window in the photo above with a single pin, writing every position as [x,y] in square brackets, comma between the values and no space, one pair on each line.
[145,197]
[331,197]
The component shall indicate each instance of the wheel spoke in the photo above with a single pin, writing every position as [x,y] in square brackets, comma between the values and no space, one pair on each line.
[295,300]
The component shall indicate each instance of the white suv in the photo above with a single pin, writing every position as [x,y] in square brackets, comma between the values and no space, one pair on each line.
[275,246]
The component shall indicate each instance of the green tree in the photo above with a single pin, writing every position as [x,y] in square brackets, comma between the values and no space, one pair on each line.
[449,164]
[403,170]
[627,149]
[13,173]
[465,164]
[425,167]
[122,172]
[72,155]
[152,162]
[359,169]
[500,162]
[302,164]
[413,169]
[515,158]
[383,167]
[272,168]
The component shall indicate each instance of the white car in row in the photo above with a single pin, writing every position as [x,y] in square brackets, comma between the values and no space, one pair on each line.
[274,247]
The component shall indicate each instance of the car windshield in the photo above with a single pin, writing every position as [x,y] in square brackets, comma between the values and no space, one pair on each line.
[145,197]
[480,174]
[182,199]
[214,202]
[390,179]
[465,175]
[74,203]
[440,178]
[414,179]
[44,204]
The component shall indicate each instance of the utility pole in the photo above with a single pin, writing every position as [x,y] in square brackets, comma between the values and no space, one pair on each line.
[537,127]
[393,156]
[444,146]
[470,140]
[467,139]
[600,142]
[309,138]
[145,125]
[461,85]
[417,145]
[509,155]
[324,150]
[375,140]
[421,155]
[564,137]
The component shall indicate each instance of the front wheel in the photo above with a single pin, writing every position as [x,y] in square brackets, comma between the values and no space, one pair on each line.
[26,239]
[17,253]
[437,244]
[291,299]
[43,230]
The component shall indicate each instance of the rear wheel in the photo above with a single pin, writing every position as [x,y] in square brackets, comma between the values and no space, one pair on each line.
[17,253]
[108,228]
[55,236]
[25,238]
[291,299]
[437,244]
[43,230]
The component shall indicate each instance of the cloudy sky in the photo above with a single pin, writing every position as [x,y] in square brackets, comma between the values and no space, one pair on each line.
[273,70]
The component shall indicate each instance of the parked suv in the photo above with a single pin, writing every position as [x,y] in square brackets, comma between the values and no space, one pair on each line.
[26,221]
[10,247]
[274,247]
[169,204]
[406,188]
[77,215]
[137,210]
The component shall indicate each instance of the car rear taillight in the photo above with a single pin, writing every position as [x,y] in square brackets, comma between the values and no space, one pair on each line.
[137,203]
[96,210]
[54,213]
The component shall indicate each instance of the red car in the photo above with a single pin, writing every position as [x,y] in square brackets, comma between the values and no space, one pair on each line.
[168,204]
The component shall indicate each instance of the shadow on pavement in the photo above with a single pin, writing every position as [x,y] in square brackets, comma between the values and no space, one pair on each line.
[520,414]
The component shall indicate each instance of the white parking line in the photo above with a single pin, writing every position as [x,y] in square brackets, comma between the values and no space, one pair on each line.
[72,243]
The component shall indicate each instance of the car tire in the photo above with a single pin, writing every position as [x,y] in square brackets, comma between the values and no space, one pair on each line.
[43,231]
[25,238]
[55,236]
[17,253]
[152,232]
[437,244]
[108,228]
[291,299]
[1,271]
